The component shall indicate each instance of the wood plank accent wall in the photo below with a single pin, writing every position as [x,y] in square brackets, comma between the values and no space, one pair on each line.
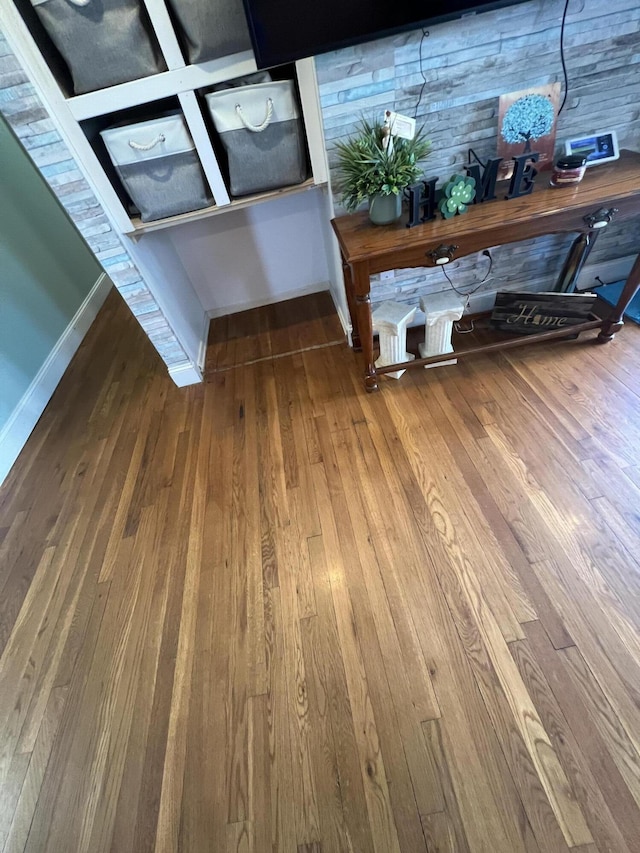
[466,65]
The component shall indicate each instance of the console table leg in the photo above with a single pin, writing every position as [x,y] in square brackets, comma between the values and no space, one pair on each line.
[613,325]
[363,304]
[370,383]
[361,287]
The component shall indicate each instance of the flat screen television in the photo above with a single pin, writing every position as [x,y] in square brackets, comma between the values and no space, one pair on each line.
[285,30]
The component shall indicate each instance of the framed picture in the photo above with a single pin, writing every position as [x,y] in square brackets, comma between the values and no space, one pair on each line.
[527,122]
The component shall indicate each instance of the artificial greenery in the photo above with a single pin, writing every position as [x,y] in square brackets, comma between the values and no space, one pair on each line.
[367,168]
[457,195]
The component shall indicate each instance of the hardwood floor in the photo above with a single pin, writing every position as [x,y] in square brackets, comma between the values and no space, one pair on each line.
[274,613]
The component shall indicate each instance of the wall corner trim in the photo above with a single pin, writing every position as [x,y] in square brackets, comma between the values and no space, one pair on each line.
[188,373]
[16,431]
[204,342]
[185,373]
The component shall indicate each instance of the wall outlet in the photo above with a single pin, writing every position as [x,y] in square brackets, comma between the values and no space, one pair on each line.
[387,275]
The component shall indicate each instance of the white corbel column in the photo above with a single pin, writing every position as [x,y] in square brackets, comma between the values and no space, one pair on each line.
[390,320]
[441,310]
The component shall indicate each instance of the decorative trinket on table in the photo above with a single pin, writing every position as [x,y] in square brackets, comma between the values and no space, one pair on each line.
[524,175]
[458,194]
[390,320]
[441,310]
[485,180]
[568,171]
[424,198]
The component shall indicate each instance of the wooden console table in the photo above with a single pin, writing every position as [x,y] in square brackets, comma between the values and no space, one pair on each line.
[608,192]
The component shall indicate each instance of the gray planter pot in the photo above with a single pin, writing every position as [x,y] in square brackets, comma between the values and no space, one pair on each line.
[385,209]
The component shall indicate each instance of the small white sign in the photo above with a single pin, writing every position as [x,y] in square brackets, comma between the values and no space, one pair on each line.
[401,126]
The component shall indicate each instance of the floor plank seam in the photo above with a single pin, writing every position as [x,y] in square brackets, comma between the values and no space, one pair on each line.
[213,370]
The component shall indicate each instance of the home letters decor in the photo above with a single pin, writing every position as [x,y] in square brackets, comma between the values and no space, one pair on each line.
[524,175]
[425,199]
[485,182]
[422,197]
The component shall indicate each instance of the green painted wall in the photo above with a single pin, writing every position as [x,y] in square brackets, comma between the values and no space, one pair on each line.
[46,271]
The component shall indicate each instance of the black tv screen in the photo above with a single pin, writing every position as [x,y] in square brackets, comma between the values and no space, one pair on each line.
[285,30]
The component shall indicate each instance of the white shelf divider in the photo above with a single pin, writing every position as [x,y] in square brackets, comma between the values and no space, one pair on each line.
[162,85]
[167,39]
[308,85]
[200,136]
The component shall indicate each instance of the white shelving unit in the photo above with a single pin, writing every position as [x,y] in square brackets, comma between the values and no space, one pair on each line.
[74,114]
[180,80]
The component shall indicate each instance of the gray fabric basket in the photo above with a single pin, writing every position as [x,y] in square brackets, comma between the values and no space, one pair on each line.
[104,42]
[211,28]
[261,130]
[159,167]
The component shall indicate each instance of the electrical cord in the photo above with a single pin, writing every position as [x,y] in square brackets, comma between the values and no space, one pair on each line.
[487,254]
[562,59]
[469,293]
[425,34]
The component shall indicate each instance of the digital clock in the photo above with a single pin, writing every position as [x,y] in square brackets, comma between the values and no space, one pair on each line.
[598,148]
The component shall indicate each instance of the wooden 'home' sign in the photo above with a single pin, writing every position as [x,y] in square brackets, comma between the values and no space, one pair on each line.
[531,313]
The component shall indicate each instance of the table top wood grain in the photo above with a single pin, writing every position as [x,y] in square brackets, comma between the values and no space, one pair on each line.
[546,210]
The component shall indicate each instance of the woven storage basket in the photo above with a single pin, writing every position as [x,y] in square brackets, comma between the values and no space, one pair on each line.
[159,167]
[104,42]
[261,130]
[211,28]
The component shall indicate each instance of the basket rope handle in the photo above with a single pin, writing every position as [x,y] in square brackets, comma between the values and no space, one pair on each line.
[138,146]
[259,127]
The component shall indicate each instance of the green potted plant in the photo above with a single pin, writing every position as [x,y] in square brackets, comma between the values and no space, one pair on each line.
[373,170]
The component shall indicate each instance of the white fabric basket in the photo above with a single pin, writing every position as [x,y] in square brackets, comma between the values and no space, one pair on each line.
[261,130]
[158,165]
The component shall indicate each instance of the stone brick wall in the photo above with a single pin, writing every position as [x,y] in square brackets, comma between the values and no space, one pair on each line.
[28,116]
[466,66]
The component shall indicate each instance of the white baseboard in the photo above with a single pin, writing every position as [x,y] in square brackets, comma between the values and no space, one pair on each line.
[345,322]
[267,300]
[186,373]
[16,431]
[608,271]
